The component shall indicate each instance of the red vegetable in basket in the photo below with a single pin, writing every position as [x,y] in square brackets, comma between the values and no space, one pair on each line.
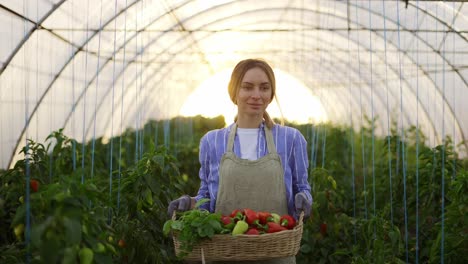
[264,217]
[275,227]
[237,214]
[251,217]
[228,222]
[252,231]
[287,221]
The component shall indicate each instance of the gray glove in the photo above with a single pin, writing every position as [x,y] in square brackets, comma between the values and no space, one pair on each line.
[181,204]
[302,204]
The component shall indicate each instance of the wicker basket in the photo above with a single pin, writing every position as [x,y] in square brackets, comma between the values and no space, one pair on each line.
[246,247]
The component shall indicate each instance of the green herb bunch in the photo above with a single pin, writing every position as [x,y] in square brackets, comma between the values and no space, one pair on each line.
[192,226]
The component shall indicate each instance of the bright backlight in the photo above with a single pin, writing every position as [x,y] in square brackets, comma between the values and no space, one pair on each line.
[297,102]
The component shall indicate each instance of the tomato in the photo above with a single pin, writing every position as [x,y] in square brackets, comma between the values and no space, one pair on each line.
[121,243]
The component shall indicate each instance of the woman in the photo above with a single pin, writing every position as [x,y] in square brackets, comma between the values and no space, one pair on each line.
[253,163]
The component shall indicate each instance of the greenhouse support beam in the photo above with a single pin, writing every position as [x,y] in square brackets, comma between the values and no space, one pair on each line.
[31,31]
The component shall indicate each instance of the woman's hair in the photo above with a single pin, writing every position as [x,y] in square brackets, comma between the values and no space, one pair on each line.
[238,74]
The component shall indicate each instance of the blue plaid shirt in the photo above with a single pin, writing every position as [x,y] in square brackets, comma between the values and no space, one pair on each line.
[290,145]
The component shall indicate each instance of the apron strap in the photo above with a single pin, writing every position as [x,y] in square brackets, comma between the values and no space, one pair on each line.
[232,134]
[269,139]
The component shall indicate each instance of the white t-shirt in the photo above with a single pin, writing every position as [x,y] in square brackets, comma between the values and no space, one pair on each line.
[248,142]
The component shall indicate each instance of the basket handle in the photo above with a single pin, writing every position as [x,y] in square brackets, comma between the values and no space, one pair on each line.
[301,216]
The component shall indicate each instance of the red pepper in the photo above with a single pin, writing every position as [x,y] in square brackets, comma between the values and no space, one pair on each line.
[252,231]
[287,221]
[34,184]
[227,221]
[264,217]
[275,227]
[323,229]
[251,217]
[237,215]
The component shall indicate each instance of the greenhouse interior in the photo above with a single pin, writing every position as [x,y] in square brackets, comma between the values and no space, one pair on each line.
[103,105]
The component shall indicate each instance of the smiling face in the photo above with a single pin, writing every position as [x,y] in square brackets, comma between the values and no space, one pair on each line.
[252,87]
[254,94]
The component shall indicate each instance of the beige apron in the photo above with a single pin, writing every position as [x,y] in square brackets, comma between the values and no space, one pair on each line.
[255,184]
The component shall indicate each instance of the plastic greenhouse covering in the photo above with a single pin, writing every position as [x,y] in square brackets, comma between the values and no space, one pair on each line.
[96,68]
[92,67]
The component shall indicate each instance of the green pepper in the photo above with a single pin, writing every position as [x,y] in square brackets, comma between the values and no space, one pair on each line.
[86,256]
[240,228]
[276,217]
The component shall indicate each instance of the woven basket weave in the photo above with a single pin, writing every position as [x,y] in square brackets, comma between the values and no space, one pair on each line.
[246,247]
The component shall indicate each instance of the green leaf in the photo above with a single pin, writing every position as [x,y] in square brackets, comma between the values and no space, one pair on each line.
[148,197]
[69,255]
[49,250]
[167,227]
[305,248]
[38,230]
[201,202]
[19,216]
[72,230]
[216,225]
[177,225]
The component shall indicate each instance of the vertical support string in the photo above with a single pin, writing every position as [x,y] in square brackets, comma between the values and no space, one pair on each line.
[320,128]
[324,140]
[351,125]
[83,140]
[136,91]
[26,153]
[442,220]
[37,70]
[156,132]
[313,126]
[95,95]
[372,116]
[70,25]
[316,140]
[361,125]
[453,92]
[325,128]
[402,131]
[121,108]
[111,152]
[51,103]
[417,140]
[390,178]
[143,105]
[312,146]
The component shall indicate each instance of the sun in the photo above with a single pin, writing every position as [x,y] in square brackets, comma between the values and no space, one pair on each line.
[297,103]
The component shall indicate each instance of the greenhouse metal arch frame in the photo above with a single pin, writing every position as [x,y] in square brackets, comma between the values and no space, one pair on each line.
[188,33]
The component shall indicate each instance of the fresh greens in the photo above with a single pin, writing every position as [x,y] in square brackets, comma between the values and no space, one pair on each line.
[192,226]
